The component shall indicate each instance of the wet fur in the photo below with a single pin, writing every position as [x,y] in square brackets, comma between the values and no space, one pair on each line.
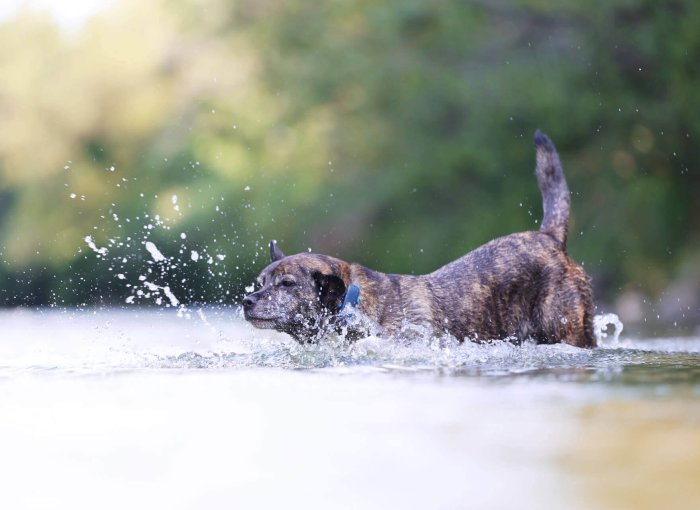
[522,286]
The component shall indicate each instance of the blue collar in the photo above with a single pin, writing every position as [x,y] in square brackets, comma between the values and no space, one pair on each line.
[351,297]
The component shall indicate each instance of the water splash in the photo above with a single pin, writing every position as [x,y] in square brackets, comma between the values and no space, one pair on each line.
[600,327]
[374,354]
[100,251]
[155,252]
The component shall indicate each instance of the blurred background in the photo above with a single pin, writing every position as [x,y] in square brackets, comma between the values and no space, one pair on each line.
[158,145]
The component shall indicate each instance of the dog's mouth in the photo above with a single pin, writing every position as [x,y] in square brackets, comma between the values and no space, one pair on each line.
[262,322]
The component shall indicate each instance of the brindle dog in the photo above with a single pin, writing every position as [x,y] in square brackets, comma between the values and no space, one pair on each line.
[519,287]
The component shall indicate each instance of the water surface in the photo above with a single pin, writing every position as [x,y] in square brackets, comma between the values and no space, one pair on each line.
[151,409]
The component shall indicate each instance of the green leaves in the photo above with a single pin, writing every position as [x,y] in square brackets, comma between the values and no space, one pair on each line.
[397,134]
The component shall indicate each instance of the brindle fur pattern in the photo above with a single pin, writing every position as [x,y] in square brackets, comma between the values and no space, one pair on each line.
[522,286]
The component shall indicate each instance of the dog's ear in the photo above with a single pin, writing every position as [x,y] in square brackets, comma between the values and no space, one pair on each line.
[331,289]
[275,253]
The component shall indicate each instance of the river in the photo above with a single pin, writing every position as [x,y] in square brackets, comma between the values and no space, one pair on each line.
[147,408]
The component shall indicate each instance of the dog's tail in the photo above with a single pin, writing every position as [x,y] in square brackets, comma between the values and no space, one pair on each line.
[555,193]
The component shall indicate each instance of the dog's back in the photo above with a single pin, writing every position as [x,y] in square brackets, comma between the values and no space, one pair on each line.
[523,285]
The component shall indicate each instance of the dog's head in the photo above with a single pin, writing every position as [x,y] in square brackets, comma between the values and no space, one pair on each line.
[298,295]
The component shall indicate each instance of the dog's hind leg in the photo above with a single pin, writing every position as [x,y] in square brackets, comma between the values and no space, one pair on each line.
[574,321]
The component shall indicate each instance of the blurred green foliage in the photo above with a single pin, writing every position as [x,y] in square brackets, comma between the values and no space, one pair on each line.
[393,133]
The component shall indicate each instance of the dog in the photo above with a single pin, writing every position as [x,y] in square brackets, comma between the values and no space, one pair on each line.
[521,287]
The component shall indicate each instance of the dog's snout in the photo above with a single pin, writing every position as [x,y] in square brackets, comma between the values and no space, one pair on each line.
[249,301]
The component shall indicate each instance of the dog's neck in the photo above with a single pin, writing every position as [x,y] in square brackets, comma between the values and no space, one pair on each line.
[391,300]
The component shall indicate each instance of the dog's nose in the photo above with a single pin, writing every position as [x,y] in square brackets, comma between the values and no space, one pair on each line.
[249,301]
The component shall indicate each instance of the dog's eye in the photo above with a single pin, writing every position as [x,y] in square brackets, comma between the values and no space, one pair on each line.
[288,283]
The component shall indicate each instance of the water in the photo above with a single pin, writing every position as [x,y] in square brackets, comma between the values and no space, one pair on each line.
[151,409]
